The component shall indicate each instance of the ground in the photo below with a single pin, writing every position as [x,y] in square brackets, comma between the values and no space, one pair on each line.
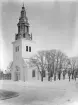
[41,93]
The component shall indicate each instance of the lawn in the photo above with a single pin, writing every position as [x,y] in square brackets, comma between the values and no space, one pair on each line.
[38,93]
[7,94]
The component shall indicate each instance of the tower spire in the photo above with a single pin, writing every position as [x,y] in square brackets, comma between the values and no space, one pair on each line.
[23,26]
[23,4]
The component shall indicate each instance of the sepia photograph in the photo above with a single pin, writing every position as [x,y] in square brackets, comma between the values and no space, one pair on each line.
[38,52]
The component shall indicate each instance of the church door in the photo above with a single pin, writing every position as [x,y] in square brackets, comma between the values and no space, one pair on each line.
[17,74]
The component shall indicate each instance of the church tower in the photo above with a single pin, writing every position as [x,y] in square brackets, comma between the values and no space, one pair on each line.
[23,26]
[23,48]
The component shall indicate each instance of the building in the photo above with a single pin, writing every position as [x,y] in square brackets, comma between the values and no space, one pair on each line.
[23,49]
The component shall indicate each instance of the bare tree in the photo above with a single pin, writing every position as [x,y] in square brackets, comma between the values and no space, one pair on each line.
[50,60]
[9,68]
[53,61]
[38,61]
[74,66]
[60,60]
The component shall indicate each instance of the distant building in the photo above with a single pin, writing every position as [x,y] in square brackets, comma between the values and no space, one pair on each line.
[23,49]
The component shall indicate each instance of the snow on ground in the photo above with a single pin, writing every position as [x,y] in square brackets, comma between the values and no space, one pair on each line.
[57,92]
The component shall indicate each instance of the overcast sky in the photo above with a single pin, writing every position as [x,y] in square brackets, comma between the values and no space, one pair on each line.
[54,25]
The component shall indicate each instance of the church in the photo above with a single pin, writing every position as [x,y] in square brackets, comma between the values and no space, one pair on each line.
[23,49]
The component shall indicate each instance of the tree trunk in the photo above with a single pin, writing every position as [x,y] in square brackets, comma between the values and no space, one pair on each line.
[59,76]
[48,78]
[72,76]
[63,77]
[54,77]
[38,75]
[69,78]
[42,78]
[51,79]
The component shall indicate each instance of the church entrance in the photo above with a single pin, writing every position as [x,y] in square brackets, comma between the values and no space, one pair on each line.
[17,74]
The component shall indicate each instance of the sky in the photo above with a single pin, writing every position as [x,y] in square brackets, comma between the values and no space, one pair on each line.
[53,24]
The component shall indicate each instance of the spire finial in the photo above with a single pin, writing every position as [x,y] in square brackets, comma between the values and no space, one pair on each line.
[23,4]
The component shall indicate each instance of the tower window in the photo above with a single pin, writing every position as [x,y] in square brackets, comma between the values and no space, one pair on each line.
[17,49]
[26,48]
[29,49]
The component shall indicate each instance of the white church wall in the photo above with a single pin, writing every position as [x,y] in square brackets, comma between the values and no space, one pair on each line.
[17,56]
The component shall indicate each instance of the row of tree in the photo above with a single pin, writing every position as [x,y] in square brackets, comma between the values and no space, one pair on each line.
[54,62]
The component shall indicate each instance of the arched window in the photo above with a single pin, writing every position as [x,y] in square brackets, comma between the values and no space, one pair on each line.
[33,73]
[24,35]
